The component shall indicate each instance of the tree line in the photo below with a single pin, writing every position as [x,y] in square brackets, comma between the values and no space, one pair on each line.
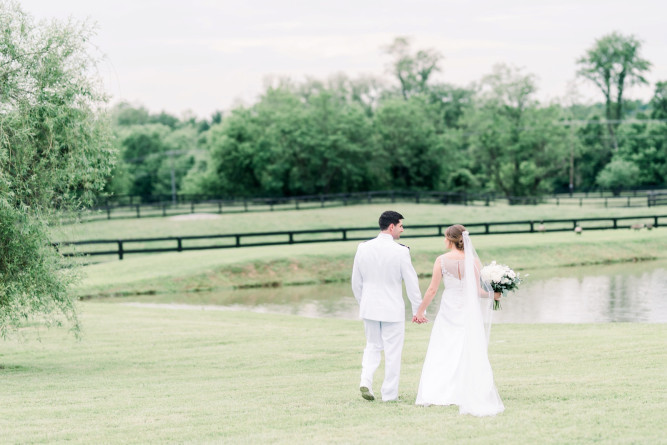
[348,134]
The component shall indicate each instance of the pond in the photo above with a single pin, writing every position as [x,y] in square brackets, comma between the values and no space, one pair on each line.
[631,292]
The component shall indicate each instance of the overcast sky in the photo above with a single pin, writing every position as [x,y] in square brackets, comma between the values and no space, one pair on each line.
[208,55]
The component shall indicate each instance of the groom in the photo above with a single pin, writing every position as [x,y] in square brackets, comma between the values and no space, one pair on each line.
[380,267]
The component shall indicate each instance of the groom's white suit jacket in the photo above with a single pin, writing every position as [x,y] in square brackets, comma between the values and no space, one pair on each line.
[380,266]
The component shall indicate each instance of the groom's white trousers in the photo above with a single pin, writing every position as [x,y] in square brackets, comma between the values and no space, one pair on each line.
[387,336]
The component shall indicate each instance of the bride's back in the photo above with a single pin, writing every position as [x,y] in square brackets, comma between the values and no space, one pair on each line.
[452,266]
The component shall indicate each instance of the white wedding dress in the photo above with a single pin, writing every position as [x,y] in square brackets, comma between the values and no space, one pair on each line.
[456,369]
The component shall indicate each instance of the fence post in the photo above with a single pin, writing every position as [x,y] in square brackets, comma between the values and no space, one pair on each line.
[557,201]
[296,203]
[192,207]
[138,211]
[628,201]
[655,222]
[393,196]
[486,228]
[321,201]
[108,211]
[245,204]
[291,237]
[615,226]
[238,241]
[581,201]
[180,244]
[219,206]
[416,197]
[345,234]
[606,203]
[164,209]
[120,249]
[531,227]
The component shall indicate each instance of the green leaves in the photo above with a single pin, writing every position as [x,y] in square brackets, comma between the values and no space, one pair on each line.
[618,174]
[55,153]
[516,146]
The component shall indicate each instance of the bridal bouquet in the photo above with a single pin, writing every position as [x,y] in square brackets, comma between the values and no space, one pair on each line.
[502,279]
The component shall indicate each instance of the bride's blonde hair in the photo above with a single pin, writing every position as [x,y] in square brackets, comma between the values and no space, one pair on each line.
[454,234]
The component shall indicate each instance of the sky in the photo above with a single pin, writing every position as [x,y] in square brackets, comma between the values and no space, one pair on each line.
[202,56]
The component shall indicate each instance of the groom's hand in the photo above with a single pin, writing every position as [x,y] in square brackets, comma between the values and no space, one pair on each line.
[419,319]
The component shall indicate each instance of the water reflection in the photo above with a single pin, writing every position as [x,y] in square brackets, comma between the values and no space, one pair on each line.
[636,293]
[629,292]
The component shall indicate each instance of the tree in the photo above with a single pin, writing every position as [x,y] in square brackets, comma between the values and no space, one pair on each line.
[413,71]
[618,174]
[595,153]
[294,141]
[614,64]
[54,156]
[449,104]
[644,144]
[409,147]
[516,146]
[143,150]
[659,101]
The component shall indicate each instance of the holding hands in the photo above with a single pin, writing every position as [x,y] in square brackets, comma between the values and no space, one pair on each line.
[419,318]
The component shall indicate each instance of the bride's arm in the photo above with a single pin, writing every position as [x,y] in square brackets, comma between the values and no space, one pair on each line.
[483,293]
[432,289]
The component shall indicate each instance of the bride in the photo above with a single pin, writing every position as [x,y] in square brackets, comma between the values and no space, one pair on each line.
[456,369]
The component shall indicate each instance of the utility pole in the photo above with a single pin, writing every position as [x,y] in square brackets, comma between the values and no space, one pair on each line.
[171,155]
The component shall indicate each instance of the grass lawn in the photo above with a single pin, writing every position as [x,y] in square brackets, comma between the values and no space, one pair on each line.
[152,375]
[334,217]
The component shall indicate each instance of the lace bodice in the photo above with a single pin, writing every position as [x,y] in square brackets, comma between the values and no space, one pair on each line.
[453,271]
[452,267]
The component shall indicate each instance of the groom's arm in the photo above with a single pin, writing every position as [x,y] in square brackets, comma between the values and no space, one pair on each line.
[411,281]
[357,279]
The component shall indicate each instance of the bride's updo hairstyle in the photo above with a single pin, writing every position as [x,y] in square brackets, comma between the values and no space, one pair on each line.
[455,235]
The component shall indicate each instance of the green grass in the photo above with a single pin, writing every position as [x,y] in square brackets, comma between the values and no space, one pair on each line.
[335,217]
[147,375]
[332,262]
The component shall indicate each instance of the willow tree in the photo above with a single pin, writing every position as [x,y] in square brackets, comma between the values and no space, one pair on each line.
[613,64]
[55,153]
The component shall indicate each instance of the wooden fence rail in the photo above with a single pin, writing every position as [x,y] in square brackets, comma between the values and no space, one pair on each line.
[111,210]
[184,243]
[192,204]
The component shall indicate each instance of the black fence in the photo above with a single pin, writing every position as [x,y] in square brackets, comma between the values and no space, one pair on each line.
[204,242]
[161,206]
[151,207]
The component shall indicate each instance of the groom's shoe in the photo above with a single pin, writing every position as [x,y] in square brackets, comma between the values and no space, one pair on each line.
[366,393]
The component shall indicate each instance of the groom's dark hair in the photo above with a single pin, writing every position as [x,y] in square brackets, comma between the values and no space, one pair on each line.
[388,218]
